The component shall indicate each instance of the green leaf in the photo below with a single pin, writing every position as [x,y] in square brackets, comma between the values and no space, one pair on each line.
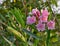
[15,32]
[2,17]
[54,2]
[18,16]
[36,42]
[31,34]
[55,39]
[8,41]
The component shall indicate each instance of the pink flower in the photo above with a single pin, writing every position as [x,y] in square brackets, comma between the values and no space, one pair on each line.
[45,12]
[51,25]
[31,20]
[36,12]
[39,21]
[40,27]
[43,18]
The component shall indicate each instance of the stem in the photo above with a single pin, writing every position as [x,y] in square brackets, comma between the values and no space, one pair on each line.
[48,38]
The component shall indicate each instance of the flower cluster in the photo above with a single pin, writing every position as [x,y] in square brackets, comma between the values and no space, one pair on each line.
[41,18]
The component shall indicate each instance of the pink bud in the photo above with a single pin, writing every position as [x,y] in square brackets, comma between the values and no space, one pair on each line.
[43,18]
[36,12]
[45,12]
[31,20]
[40,27]
[51,25]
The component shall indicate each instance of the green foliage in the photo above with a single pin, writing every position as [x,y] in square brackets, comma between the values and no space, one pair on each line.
[18,16]
[13,27]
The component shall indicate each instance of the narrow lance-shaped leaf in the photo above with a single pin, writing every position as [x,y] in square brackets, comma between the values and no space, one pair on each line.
[2,17]
[18,16]
[31,34]
[8,41]
[15,32]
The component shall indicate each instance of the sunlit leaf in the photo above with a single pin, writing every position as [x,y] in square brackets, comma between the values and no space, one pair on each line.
[15,32]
